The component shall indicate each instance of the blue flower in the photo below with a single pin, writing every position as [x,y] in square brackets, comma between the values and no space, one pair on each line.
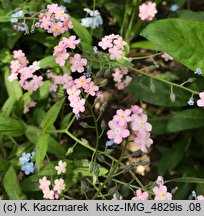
[25,158]
[109,143]
[194,194]
[28,168]
[95,49]
[174,7]
[16,15]
[93,21]
[198,71]
[191,102]
[78,117]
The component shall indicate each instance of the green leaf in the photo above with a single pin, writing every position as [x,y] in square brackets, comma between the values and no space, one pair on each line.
[188,14]
[159,125]
[52,115]
[11,127]
[41,149]
[172,157]
[13,88]
[8,106]
[188,180]
[140,88]
[11,185]
[83,34]
[48,62]
[182,39]
[54,147]
[187,119]
[145,45]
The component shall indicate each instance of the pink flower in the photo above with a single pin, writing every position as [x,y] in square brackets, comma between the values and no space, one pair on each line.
[78,106]
[91,88]
[13,76]
[160,180]
[161,193]
[17,54]
[122,116]
[82,82]
[140,123]
[70,42]
[200,102]
[147,11]
[54,20]
[28,106]
[105,43]
[73,94]
[200,197]
[77,63]
[35,66]
[143,141]
[166,57]
[44,183]
[59,185]
[139,195]
[136,109]
[15,66]
[48,194]
[117,132]
[62,57]
[61,168]
[115,53]
[114,44]
[117,76]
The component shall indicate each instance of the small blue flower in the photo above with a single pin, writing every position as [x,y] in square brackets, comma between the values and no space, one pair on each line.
[16,15]
[174,7]
[95,49]
[25,158]
[191,102]
[198,71]
[78,117]
[194,194]
[109,143]
[28,168]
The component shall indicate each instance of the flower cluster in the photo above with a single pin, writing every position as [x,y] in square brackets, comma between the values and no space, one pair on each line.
[58,186]
[120,78]
[55,20]
[131,121]
[74,89]
[93,21]
[27,165]
[15,17]
[29,105]
[19,68]
[60,51]
[160,190]
[147,11]
[115,45]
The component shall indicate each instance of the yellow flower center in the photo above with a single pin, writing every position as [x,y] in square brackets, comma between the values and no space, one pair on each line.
[163,195]
[122,116]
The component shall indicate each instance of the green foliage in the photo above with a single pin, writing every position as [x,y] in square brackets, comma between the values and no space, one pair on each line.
[187,119]
[140,87]
[52,115]
[11,185]
[169,34]
[11,127]
[41,149]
